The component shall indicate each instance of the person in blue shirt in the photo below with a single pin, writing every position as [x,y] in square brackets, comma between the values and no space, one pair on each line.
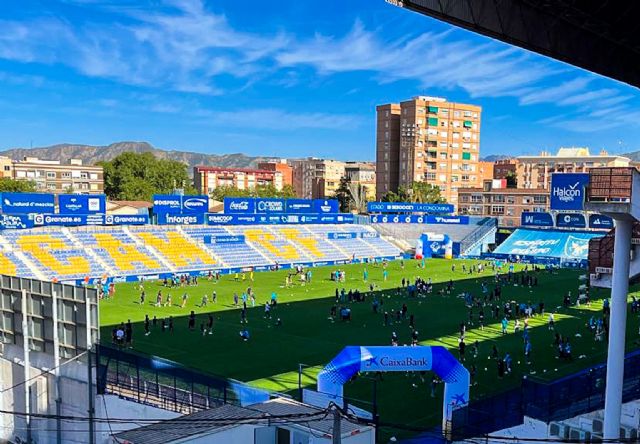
[527,351]
[365,275]
[505,324]
[274,298]
[385,274]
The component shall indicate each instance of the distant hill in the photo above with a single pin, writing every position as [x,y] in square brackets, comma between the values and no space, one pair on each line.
[635,155]
[494,157]
[92,154]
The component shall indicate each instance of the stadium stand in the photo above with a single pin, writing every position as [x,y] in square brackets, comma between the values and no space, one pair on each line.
[75,253]
[119,250]
[55,254]
[182,253]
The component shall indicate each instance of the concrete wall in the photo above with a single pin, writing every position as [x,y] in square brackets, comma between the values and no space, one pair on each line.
[75,395]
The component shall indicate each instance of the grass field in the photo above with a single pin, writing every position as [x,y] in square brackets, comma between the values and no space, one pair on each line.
[271,358]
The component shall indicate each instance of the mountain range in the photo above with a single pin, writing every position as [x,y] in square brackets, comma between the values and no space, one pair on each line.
[91,154]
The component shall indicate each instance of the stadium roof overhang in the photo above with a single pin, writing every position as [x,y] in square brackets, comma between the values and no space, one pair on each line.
[602,36]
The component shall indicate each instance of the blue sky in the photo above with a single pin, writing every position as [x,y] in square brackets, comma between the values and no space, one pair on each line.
[282,78]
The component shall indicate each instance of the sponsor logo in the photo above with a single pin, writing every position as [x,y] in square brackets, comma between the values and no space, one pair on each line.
[447,220]
[569,193]
[94,204]
[38,219]
[195,203]
[242,205]
[219,219]
[387,361]
[181,219]
[167,202]
[274,206]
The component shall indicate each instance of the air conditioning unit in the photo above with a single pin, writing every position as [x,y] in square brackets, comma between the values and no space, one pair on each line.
[597,426]
[579,435]
[559,429]
[628,432]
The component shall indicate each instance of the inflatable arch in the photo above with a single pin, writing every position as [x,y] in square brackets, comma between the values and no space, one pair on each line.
[354,359]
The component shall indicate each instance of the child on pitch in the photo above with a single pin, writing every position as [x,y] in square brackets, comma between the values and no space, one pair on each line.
[184,300]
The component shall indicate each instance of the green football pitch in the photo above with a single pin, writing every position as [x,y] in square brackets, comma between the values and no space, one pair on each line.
[308,336]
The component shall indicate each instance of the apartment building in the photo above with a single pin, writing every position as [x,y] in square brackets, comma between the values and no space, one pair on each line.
[55,177]
[428,139]
[315,178]
[6,167]
[507,204]
[280,165]
[504,168]
[363,173]
[534,172]
[208,178]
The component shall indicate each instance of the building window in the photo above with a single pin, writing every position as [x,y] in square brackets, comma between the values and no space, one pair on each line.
[51,175]
[51,186]
[497,209]
[540,199]
[7,168]
[498,198]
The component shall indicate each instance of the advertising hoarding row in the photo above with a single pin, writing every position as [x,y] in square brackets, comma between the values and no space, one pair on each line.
[176,204]
[251,205]
[565,220]
[408,207]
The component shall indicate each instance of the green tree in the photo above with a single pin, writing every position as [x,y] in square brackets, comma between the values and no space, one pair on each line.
[16,186]
[512,181]
[343,195]
[138,176]
[420,192]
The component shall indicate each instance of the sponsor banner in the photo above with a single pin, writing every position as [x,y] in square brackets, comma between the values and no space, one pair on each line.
[342,235]
[301,206]
[536,219]
[181,219]
[547,244]
[570,220]
[68,219]
[270,206]
[568,190]
[414,219]
[325,206]
[24,203]
[81,204]
[126,219]
[175,204]
[408,207]
[224,239]
[16,221]
[167,203]
[369,235]
[385,359]
[239,205]
[600,222]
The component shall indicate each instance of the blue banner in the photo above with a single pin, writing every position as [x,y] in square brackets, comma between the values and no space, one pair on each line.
[175,204]
[326,206]
[68,219]
[568,190]
[413,219]
[254,219]
[24,203]
[239,205]
[547,243]
[342,235]
[408,207]
[181,219]
[570,220]
[81,204]
[224,239]
[16,221]
[301,206]
[167,203]
[270,206]
[126,219]
[600,222]
[536,219]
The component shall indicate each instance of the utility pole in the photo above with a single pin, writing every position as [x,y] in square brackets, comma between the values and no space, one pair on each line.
[56,364]
[27,363]
[337,429]
[92,435]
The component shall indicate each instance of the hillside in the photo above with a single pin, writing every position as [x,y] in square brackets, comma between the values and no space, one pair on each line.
[91,154]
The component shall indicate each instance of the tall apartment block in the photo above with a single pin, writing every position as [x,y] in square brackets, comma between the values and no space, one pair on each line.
[427,139]
[315,178]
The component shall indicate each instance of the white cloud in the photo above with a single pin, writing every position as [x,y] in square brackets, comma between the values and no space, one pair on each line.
[275,119]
